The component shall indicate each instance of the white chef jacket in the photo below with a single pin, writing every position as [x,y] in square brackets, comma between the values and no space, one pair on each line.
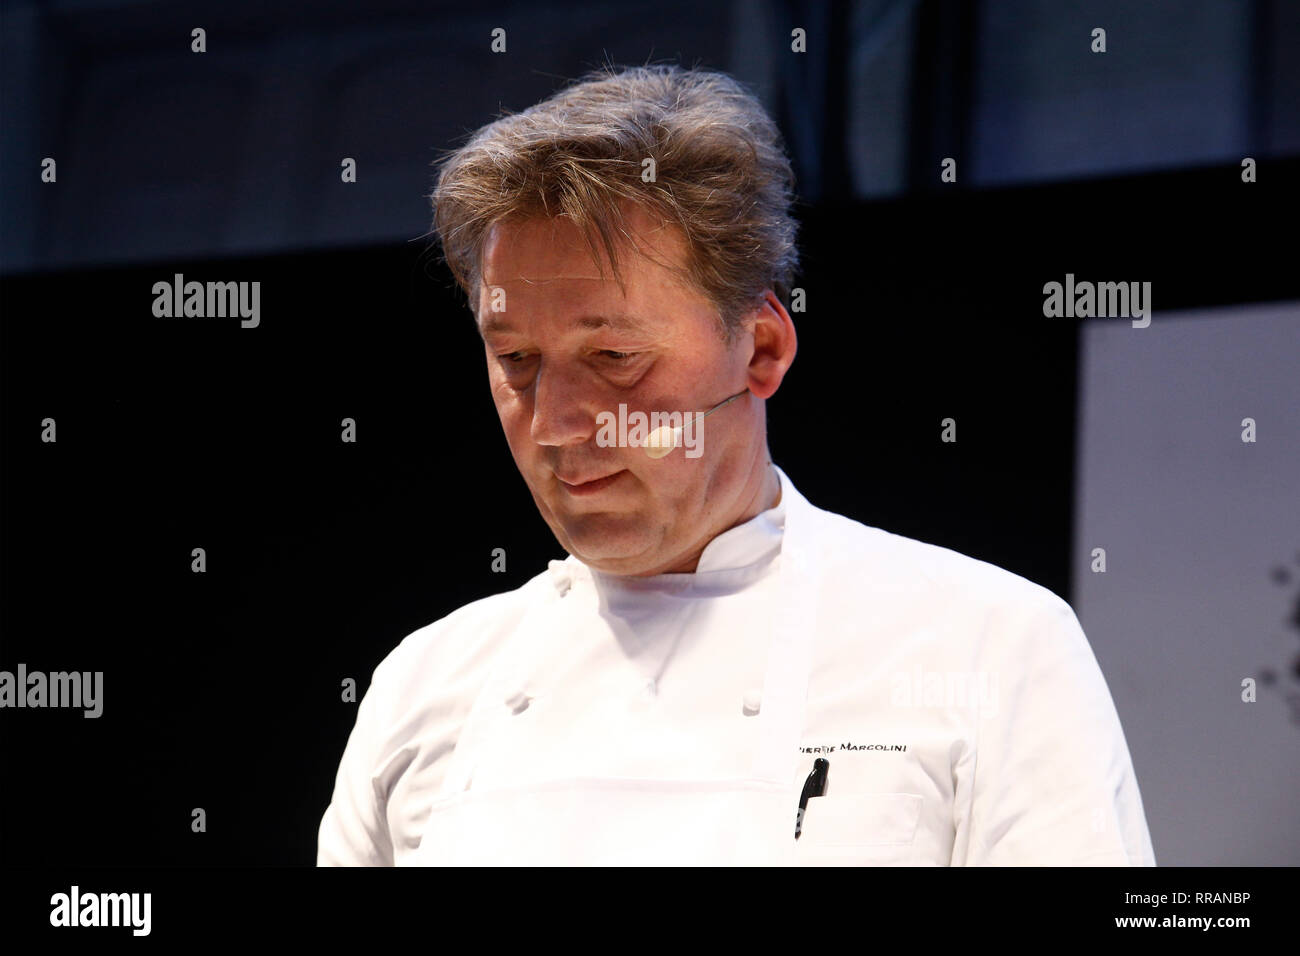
[582,717]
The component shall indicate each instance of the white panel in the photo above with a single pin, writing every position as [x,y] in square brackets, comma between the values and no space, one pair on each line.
[1194,523]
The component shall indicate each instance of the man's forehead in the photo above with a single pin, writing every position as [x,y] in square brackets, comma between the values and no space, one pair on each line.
[540,250]
[535,258]
[533,254]
[499,322]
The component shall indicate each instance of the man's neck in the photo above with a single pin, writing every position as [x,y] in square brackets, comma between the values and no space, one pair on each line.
[768,497]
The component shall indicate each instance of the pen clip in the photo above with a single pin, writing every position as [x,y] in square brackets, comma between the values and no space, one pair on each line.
[814,786]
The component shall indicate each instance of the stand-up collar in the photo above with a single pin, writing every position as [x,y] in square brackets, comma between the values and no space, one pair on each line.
[744,551]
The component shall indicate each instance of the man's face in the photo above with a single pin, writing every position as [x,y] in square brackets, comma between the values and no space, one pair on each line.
[569,346]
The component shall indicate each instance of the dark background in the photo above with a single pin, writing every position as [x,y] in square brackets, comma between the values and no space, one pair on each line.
[222,689]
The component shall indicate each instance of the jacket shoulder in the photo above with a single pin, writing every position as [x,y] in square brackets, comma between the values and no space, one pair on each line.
[459,643]
[860,555]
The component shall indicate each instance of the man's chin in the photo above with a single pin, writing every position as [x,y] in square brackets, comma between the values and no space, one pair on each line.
[609,545]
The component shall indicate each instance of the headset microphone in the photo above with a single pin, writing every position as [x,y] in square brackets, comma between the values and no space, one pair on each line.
[664,439]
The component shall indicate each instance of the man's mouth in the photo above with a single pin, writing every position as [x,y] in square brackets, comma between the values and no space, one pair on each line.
[588,485]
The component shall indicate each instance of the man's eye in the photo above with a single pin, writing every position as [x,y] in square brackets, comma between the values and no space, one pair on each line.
[518,358]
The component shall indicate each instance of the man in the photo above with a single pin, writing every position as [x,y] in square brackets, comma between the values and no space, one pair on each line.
[719,672]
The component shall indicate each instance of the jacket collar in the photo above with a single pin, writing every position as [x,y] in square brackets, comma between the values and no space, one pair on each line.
[746,548]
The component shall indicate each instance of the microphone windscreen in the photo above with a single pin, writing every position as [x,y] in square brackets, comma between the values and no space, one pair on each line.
[661,441]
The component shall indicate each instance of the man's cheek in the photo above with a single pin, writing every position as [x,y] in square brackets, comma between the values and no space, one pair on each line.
[516,428]
[519,452]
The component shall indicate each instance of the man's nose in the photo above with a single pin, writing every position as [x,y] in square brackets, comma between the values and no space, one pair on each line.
[562,406]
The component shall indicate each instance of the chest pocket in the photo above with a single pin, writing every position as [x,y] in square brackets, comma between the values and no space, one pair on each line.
[860,828]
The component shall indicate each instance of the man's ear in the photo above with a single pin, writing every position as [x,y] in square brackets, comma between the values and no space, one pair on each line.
[775,345]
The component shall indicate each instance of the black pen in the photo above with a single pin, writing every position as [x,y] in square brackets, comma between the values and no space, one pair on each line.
[814,786]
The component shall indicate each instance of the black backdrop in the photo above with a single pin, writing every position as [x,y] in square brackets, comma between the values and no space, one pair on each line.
[222,689]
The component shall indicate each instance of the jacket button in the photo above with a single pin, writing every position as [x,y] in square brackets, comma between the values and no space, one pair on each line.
[752,702]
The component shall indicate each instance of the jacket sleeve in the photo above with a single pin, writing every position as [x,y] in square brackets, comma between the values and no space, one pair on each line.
[1052,782]
[354,829]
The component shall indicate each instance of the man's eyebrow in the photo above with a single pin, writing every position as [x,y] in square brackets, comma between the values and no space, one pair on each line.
[619,322]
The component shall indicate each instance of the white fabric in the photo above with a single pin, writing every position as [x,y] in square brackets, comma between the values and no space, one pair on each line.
[616,708]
